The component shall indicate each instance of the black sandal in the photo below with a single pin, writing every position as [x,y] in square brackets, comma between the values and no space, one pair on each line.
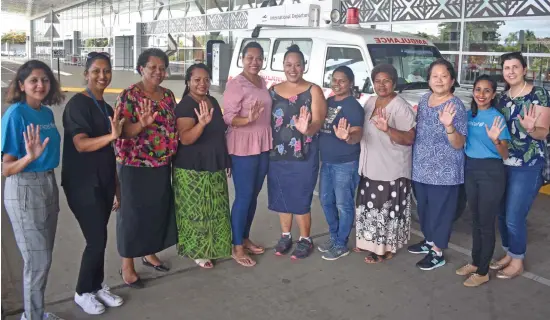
[161,267]
[138,284]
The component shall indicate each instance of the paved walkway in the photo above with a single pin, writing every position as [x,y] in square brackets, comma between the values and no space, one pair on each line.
[278,288]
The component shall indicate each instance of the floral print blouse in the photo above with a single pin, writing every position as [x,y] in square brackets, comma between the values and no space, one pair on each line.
[288,142]
[523,149]
[155,144]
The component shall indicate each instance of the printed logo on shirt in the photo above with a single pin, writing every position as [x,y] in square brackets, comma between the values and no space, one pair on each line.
[48,126]
[331,115]
[476,123]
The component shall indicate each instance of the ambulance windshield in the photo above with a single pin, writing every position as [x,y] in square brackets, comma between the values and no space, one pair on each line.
[411,62]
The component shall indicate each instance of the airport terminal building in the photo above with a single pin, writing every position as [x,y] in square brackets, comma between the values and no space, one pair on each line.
[472,34]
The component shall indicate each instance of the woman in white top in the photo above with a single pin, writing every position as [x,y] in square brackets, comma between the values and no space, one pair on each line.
[383,197]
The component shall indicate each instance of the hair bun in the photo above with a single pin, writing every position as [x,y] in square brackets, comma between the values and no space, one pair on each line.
[294,48]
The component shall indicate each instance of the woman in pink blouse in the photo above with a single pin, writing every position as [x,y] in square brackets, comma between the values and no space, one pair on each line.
[247,112]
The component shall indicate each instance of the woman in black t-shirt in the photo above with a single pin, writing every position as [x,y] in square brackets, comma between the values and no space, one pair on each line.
[89,178]
[200,182]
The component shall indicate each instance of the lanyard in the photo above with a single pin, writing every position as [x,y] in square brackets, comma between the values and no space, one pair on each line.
[103,110]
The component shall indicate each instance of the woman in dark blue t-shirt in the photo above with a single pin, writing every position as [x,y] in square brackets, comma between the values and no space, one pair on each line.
[339,146]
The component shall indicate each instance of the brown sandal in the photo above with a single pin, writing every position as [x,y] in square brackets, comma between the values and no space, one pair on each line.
[373,258]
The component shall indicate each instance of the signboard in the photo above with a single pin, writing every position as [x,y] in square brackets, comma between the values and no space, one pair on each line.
[126,30]
[49,32]
[301,15]
[58,53]
[216,64]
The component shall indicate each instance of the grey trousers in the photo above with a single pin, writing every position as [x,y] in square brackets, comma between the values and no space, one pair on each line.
[32,203]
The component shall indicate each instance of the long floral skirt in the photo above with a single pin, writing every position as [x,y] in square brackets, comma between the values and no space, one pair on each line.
[383,215]
[202,214]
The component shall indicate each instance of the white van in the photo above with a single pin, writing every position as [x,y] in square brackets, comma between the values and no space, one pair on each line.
[327,48]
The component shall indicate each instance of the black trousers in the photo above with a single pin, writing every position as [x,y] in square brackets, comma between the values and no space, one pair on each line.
[91,206]
[485,182]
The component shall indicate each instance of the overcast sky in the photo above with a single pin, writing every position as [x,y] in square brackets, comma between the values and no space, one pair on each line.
[13,22]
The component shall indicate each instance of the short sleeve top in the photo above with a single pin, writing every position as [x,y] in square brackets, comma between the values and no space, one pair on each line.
[381,158]
[435,161]
[97,168]
[332,149]
[15,121]
[209,152]
[288,142]
[523,149]
[478,143]
[155,145]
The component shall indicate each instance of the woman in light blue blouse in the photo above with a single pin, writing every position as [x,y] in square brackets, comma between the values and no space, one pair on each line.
[438,162]
[30,153]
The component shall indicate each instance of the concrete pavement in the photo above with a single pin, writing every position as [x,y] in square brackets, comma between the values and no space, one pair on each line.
[280,289]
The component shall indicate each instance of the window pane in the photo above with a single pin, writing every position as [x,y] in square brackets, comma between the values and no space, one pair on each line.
[345,56]
[281,47]
[265,43]
[500,36]
[538,69]
[445,36]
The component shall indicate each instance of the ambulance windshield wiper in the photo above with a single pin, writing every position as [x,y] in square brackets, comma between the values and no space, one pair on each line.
[414,85]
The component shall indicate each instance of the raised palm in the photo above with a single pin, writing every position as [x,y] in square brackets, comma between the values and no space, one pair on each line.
[496,128]
[145,113]
[116,124]
[342,130]
[255,111]
[381,121]
[205,113]
[529,118]
[447,115]
[33,146]
[302,122]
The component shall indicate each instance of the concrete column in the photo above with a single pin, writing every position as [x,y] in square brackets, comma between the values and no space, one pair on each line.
[30,43]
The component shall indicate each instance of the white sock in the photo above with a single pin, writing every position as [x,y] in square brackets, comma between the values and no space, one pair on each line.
[287,234]
[430,243]
[439,253]
[308,238]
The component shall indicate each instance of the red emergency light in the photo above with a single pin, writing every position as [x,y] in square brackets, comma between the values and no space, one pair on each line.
[352,16]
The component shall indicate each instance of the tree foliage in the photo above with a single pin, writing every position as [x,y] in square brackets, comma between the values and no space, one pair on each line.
[14,37]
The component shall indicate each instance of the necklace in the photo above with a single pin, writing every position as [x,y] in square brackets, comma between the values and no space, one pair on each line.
[510,91]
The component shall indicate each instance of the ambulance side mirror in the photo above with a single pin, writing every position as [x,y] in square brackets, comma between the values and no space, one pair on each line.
[368,87]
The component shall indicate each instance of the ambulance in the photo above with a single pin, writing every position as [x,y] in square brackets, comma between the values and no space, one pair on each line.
[327,45]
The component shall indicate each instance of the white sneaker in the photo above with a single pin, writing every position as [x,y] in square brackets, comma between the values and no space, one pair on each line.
[89,303]
[46,316]
[107,298]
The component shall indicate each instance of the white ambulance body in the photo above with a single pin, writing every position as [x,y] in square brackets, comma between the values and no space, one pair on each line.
[326,48]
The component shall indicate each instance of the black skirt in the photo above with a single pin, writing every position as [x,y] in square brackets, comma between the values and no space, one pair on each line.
[146,222]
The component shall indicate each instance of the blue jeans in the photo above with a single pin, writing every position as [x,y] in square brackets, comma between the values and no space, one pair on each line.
[522,187]
[337,190]
[248,177]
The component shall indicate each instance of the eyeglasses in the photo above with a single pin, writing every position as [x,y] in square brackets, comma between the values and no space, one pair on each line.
[94,54]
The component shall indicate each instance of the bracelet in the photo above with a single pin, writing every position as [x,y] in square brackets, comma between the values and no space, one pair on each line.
[454,130]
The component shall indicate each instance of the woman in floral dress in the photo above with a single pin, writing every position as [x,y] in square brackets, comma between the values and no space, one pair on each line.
[383,198]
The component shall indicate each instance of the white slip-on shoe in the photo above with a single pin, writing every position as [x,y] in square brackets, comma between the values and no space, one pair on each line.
[88,303]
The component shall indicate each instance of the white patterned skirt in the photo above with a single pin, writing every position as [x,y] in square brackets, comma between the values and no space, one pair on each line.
[383,215]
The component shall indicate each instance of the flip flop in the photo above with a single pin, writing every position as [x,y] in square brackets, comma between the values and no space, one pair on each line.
[204,263]
[244,261]
[255,250]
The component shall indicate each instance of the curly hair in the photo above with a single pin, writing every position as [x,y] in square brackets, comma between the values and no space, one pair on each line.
[152,52]
[387,69]
[15,94]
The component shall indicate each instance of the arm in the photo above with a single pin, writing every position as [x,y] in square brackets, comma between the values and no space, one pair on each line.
[542,127]
[189,130]
[83,143]
[404,138]
[11,165]
[318,111]
[140,116]
[232,105]
[355,135]
[455,120]
[502,148]
[456,139]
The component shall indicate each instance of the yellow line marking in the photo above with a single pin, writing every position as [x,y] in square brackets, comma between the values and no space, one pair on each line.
[545,190]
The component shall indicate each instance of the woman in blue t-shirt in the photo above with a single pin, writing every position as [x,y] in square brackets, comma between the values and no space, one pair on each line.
[30,153]
[339,146]
[485,176]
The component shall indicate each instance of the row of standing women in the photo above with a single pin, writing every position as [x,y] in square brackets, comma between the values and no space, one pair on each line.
[278,133]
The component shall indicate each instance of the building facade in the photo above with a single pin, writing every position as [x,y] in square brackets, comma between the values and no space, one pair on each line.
[472,34]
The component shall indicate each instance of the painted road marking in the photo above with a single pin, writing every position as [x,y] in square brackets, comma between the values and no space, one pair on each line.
[5,85]
[10,70]
[466,252]
[63,73]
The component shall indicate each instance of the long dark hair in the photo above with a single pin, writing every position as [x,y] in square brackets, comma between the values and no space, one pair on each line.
[15,94]
[189,73]
[493,83]
[349,74]
[448,66]
[511,56]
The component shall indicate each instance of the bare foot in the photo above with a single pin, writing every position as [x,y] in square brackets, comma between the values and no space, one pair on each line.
[129,275]
[153,259]
[242,258]
[253,248]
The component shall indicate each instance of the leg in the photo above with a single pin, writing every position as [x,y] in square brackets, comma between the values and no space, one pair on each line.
[491,190]
[346,180]
[244,174]
[304,223]
[263,166]
[472,194]
[328,199]
[443,202]
[421,195]
[90,210]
